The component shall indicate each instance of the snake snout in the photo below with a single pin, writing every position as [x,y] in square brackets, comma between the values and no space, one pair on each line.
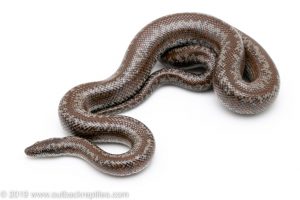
[29,151]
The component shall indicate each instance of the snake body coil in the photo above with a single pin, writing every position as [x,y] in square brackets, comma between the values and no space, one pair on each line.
[199,52]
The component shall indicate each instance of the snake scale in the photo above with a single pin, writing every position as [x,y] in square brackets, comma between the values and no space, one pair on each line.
[198,52]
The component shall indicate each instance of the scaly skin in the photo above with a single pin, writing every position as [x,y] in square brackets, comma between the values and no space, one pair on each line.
[238,69]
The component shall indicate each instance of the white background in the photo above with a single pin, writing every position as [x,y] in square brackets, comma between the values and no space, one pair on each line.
[203,151]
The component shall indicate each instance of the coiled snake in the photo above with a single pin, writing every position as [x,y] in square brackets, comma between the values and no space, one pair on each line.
[198,51]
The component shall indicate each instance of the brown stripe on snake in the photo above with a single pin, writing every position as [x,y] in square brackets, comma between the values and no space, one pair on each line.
[198,51]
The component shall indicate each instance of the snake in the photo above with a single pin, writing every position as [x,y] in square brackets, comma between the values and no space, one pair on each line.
[198,52]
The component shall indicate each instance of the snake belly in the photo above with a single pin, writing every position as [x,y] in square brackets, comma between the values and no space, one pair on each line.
[199,52]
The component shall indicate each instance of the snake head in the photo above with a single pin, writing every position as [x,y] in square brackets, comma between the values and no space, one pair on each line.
[47,148]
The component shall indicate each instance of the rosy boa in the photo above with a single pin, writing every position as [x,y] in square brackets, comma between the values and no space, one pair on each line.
[198,51]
